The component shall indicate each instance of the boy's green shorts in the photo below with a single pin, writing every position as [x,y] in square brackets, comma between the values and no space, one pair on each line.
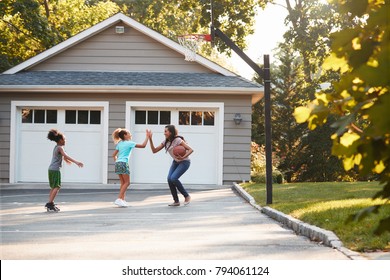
[54,179]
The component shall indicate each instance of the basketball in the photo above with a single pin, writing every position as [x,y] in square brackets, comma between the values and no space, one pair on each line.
[179,151]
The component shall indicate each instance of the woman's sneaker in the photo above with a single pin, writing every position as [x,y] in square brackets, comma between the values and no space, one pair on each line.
[174,204]
[187,200]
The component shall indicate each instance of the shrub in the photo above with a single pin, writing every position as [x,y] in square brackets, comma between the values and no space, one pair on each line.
[258,166]
[277,177]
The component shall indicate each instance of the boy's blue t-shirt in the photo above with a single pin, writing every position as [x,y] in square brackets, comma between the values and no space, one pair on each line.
[124,148]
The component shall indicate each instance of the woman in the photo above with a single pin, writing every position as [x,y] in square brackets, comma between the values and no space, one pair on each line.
[180,164]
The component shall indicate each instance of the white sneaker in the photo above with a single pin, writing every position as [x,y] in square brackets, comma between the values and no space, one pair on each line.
[118,202]
[124,203]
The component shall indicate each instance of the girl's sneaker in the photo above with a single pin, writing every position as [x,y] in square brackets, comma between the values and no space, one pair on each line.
[124,203]
[121,203]
[50,206]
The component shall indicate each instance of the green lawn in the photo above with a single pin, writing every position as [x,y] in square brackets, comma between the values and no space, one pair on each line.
[328,205]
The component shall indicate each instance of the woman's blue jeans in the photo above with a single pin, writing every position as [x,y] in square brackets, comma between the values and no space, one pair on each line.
[177,169]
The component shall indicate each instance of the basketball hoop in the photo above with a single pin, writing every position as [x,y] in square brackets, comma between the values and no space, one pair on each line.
[191,43]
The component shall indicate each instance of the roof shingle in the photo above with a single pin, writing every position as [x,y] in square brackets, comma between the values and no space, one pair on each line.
[152,79]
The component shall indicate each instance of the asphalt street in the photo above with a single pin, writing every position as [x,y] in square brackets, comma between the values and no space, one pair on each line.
[218,224]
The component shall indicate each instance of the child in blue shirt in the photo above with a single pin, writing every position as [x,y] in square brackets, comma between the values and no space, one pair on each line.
[123,148]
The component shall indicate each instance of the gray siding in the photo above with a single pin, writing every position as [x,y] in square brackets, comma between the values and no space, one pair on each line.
[236,159]
[131,51]
[237,140]
[4,139]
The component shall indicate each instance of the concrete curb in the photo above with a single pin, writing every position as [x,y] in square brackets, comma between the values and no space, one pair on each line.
[314,233]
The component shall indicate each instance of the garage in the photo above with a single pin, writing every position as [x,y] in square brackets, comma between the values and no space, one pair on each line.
[84,128]
[100,72]
[199,123]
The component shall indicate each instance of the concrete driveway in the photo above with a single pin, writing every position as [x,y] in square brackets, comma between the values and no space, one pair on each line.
[218,224]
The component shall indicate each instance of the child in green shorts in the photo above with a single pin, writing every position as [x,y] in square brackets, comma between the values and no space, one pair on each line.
[55,166]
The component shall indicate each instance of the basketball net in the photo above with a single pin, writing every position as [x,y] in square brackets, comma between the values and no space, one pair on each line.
[191,44]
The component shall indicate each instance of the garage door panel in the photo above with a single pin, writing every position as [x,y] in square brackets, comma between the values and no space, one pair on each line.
[146,166]
[204,168]
[185,129]
[152,169]
[203,160]
[81,128]
[34,156]
[84,147]
[84,142]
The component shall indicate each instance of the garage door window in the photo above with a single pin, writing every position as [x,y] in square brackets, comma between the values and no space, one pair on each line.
[82,117]
[39,116]
[208,118]
[196,118]
[152,117]
[94,117]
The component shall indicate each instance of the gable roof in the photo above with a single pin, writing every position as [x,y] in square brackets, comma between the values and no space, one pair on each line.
[103,25]
[128,79]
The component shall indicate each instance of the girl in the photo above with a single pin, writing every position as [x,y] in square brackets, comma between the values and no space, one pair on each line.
[55,166]
[124,146]
[180,164]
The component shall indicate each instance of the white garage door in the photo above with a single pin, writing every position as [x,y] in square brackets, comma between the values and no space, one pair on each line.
[83,130]
[199,127]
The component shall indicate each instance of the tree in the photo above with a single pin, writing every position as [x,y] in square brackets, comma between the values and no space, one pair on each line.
[286,92]
[361,54]
[304,155]
[311,23]
[297,76]
[24,32]
[178,17]
[28,27]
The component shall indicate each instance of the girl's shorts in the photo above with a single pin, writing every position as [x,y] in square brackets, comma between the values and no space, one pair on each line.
[122,168]
[54,179]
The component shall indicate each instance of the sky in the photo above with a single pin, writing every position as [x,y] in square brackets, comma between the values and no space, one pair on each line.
[269,30]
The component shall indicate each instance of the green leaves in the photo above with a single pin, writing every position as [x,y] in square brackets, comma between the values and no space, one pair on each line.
[297,77]
[28,28]
[361,55]
[348,139]
[315,113]
[302,114]
[379,115]
[335,63]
